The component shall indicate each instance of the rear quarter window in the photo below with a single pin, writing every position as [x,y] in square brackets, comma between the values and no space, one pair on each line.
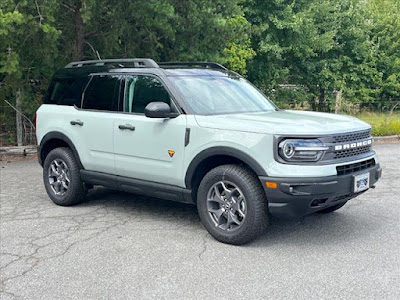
[66,91]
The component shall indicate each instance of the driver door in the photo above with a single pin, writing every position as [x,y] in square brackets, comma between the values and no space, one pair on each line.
[149,149]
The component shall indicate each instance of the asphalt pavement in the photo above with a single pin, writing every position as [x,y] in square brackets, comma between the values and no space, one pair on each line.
[122,246]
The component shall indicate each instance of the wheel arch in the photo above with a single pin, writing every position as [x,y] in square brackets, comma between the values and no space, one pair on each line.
[210,158]
[55,139]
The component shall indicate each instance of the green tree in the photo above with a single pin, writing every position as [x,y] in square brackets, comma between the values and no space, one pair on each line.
[325,47]
[319,47]
[385,34]
[27,56]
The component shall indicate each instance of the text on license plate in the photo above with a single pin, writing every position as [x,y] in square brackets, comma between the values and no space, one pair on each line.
[361,182]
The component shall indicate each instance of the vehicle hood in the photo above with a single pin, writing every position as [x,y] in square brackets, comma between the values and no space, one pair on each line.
[284,122]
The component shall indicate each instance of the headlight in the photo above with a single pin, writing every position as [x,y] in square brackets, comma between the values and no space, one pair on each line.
[298,150]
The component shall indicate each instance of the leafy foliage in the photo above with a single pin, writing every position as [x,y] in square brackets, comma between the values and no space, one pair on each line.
[327,46]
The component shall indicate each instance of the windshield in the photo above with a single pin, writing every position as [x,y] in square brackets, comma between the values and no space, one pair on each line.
[208,95]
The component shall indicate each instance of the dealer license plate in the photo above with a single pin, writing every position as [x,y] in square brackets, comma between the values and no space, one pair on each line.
[361,182]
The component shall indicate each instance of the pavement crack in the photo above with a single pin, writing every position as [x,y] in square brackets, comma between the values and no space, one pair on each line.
[204,246]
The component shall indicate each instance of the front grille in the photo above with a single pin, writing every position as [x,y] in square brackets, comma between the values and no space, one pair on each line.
[351,152]
[348,137]
[351,143]
[352,168]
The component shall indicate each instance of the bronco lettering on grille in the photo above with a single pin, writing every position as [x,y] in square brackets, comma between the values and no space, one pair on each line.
[353,145]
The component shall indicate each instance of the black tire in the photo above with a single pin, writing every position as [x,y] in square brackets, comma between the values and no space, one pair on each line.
[75,192]
[332,208]
[256,217]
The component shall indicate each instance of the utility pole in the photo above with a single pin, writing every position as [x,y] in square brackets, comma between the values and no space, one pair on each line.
[18,117]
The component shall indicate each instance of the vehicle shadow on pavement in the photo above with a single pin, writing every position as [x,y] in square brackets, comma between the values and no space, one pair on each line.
[343,226]
[317,229]
[132,206]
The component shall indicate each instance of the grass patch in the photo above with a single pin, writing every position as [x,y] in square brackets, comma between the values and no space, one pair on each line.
[382,124]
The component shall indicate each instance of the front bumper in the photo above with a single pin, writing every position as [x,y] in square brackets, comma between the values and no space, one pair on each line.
[295,197]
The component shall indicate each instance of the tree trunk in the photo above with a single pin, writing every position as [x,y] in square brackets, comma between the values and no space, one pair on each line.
[79,35]
[321,103]
[314,104]
[18,118]
[338,101]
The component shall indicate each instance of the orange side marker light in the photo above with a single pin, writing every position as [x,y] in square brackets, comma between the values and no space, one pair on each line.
[271,184]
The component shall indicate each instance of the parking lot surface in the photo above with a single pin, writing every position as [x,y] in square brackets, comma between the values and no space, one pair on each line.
[122,246]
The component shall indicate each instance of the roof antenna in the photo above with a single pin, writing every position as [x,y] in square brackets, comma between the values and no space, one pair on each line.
[98,55]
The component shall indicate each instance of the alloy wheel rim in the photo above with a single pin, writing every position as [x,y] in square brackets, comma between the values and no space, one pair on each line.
[226,205]
[59,177]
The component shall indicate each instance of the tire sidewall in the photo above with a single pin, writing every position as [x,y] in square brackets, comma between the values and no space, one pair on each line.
[74,186]
[208,181]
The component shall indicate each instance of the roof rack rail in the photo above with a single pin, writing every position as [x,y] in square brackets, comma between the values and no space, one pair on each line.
[211,65]
[126,62]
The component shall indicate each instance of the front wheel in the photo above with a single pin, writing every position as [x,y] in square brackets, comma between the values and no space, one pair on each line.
[61,176]
[232,204]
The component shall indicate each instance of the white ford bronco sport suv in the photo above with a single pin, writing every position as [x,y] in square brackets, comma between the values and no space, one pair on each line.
[197,133]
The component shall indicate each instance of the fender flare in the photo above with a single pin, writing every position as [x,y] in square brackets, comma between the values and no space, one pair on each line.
[59,136]
[226,151]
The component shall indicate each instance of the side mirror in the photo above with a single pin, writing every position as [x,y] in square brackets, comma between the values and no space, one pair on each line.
[158,110]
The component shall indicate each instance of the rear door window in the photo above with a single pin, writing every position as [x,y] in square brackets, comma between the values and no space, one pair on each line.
[102,93]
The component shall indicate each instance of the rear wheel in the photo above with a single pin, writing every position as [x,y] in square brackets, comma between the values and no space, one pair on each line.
[61,176]
[332,208]
[232,204]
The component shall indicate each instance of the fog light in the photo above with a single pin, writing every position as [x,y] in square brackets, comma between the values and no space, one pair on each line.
[318,202]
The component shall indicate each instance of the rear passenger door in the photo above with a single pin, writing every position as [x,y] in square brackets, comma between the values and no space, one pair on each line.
[146,148]
[94,123]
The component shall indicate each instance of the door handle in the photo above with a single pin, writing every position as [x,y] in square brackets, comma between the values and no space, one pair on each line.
[127,127]
[77,122]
